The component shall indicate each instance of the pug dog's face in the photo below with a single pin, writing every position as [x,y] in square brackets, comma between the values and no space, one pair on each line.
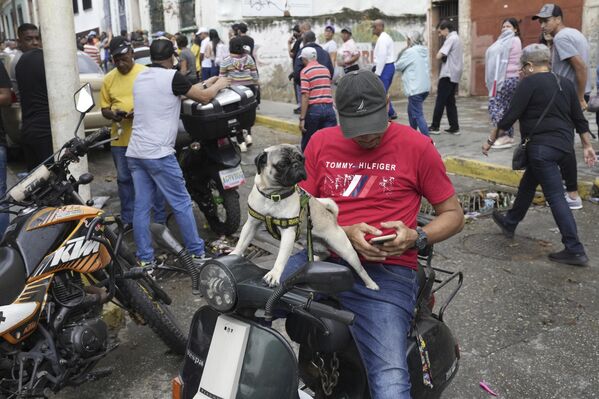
[281,165]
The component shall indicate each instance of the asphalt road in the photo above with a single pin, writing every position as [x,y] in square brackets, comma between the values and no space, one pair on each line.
[528,327]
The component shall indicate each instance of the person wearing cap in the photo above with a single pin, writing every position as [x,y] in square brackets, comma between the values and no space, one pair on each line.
[91,49]
[348,54]
[317,100]
[150,155]
[384,57]
[451,55]
[570,57]
[116,103]
[330,46]
[377,171]
[205,62]
[413,64]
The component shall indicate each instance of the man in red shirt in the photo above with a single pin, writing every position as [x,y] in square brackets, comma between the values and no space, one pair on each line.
[377,172]
[317,99]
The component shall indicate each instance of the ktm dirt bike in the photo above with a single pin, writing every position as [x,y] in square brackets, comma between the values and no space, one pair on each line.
[61,261]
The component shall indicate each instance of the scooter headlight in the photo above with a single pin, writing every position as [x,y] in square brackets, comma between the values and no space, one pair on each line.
[218,287]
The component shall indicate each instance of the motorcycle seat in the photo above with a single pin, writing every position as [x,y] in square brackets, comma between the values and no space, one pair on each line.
[12,275]
[305,333]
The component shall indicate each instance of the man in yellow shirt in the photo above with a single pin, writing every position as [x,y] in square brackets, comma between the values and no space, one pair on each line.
[117,105]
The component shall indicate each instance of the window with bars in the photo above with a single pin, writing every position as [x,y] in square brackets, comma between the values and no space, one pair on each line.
[187,13]
[157,15]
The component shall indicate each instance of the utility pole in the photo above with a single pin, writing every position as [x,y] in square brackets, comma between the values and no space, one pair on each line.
[57,24]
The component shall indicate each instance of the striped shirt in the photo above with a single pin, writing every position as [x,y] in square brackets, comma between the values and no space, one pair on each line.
[316,81]
[93,52]
[241,70]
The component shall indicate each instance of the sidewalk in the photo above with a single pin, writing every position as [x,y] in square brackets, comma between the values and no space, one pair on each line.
[462,154]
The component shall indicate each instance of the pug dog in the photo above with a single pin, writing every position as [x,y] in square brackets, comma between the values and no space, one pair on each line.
[279,169]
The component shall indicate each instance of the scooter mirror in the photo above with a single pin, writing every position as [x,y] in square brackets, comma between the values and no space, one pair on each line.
[322,277]
[84,101]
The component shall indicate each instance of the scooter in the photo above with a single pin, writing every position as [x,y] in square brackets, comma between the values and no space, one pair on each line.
[234,351]
[209,158]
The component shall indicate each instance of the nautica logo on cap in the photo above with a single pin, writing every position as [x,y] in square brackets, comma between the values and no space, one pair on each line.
[361,107]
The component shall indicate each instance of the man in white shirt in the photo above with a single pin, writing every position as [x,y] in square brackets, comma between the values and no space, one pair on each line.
[348,54]
[206,62]
[451,55]
[384,57]
[330,46]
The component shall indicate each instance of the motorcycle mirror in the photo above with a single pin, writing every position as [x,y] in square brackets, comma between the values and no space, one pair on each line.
[323,277]
[85,178]
[84,101]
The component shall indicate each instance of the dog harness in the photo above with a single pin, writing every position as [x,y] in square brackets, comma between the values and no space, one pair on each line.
[273,225]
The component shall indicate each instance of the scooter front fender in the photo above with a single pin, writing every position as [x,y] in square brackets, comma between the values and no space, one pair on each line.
[269,365]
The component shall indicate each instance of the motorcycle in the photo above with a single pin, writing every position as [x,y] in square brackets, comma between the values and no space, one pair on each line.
[234,352]
[210,158]
[61,261]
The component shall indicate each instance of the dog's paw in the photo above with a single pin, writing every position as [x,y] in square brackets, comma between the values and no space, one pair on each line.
[372,286]
[272,278]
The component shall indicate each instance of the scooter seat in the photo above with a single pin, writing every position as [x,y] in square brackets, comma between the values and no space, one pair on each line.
[12,275]
[304,332]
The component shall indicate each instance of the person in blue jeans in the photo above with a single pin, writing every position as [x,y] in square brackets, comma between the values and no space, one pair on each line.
[413,64]
[116,102]
[377,172]
[150,154]
[548,109]
[384,56]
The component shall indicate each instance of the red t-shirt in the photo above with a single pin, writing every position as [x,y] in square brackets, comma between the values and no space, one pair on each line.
[377,185]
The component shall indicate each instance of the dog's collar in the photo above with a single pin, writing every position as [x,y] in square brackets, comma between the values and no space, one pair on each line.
[278,197]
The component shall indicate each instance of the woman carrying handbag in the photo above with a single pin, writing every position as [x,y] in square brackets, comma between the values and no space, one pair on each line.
[548,110]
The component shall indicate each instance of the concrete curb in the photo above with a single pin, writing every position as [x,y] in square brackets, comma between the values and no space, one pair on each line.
[501,175]
[278,124]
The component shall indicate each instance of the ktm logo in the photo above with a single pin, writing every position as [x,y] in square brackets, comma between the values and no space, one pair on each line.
[74,249]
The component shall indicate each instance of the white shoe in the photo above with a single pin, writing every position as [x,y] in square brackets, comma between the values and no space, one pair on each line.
[503,142]
[573,203]
[243,147]
[248,140]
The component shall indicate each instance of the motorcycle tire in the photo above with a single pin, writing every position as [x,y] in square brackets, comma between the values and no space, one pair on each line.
[232,217]
[152,309]
[155,313]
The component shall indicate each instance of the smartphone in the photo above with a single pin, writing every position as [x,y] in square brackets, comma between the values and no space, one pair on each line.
[382,239]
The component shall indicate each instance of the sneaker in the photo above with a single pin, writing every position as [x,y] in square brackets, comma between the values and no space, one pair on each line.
[454,131]
[199,260]
[151,267]
[297,111]
[248,140]
[499,220]
[243,147]
[569,258]
[573,203]
[503,142]
[434,130]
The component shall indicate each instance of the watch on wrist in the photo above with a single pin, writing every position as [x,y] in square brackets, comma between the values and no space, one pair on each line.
[422,240]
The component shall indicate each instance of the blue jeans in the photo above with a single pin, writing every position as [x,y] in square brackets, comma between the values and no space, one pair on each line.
[543,169]
[416,114]
[318,116]
[206,73]
[4,217]
[382,323]
[387,78]
[127,191]
[165,175]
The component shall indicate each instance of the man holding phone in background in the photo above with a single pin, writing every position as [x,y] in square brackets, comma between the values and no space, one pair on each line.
[116,101]
[377,173]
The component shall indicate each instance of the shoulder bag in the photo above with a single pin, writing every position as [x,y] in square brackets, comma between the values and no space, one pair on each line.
[520,159]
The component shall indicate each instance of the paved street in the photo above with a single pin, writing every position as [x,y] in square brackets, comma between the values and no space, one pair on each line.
[526,326]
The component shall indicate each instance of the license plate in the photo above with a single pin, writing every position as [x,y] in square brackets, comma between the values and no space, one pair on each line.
[231,178]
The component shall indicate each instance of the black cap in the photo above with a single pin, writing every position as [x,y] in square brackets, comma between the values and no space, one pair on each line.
[549,10]
[362,104]
[119,45]
[161,49]
[348,30]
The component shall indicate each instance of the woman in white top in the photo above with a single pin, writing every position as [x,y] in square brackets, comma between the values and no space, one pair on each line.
[502,69]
